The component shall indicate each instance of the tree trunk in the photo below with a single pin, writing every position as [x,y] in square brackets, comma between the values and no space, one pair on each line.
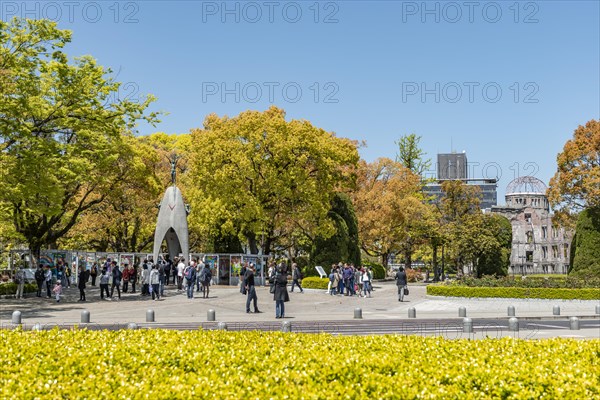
[384,260]
[436,272]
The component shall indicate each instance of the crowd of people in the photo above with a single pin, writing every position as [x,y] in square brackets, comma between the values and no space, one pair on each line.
[344,280]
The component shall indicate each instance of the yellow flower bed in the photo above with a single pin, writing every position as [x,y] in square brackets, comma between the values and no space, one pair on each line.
[160,364]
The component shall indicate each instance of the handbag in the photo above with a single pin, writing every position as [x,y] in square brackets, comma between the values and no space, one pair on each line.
[243,289]
[406,291]
[272,288]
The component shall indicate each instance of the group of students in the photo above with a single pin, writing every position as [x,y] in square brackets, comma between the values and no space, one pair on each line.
[348,280]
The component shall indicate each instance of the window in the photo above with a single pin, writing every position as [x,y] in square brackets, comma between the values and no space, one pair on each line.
[554,232]
[529,237]
[529,256]
[544,252]
[566,251]
[528,217]
[555,252]
[545,232]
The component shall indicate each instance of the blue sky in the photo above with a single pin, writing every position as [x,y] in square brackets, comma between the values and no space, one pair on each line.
[507,82]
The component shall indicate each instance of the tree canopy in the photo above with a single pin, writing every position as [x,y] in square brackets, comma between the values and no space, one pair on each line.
[269,180]
[576,183]
[63,132]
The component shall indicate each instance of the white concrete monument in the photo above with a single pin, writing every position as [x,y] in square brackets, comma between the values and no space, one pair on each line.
[171,224]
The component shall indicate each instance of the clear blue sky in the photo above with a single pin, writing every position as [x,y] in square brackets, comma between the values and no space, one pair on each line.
[369,71]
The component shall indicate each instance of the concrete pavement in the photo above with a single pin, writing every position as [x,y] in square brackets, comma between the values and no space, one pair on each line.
[312,305]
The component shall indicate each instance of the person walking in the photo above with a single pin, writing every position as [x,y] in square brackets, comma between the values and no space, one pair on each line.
[116,283]
[104,279]
[48,279]
[205,277]
[280,295]
[94,273]
[190,279]
[20,281]
[81,280]
[155,282]
[296,277]
[250,289]
[39,279]
[401,282]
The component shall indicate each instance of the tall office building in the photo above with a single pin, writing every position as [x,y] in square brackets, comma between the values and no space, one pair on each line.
[452,166]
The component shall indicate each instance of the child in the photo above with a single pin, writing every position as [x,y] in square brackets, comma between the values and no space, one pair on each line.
[57,290]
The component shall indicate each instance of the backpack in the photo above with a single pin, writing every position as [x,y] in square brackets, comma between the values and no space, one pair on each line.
[188,273]
[331,277]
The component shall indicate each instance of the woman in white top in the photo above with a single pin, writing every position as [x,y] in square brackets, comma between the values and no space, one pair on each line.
[366,282]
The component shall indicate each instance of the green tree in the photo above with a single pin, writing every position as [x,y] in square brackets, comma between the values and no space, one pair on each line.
[265,179]
[586,244]
[411,155]
[343,244]
[62,131]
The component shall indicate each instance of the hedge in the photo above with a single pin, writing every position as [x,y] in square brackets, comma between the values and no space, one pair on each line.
[313,282]
[529,281]
[160,364]
[514,292]
[9,288]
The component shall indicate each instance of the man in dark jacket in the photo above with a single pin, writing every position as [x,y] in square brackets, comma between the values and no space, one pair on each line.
[116,275]
[82,277]
[281,295]
[39,279]
[250,289]
[401,283]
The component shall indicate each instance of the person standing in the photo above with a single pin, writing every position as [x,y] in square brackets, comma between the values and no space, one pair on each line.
[57,290]
[190,279]
[250,289]
[155,282]
[366,282]
[20,281]
[132,277]
[48,279]
[167,268]
[94,273]
[81,280]
[281,295]
[205,277]
[180,269]
[145,280]
[401,282]
[296,277]
[104,279]
[161,278]
[125,276]
[116,283]
[39,279]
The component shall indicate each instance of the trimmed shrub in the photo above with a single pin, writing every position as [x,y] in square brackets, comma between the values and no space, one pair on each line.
[378,269]
[313,282]
[9,288]
[276,365]
[514,292]
[528,282]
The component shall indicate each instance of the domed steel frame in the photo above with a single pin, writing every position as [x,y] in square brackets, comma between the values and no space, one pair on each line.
[526,184]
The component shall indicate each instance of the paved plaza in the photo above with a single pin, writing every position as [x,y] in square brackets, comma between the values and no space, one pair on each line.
[318,308]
